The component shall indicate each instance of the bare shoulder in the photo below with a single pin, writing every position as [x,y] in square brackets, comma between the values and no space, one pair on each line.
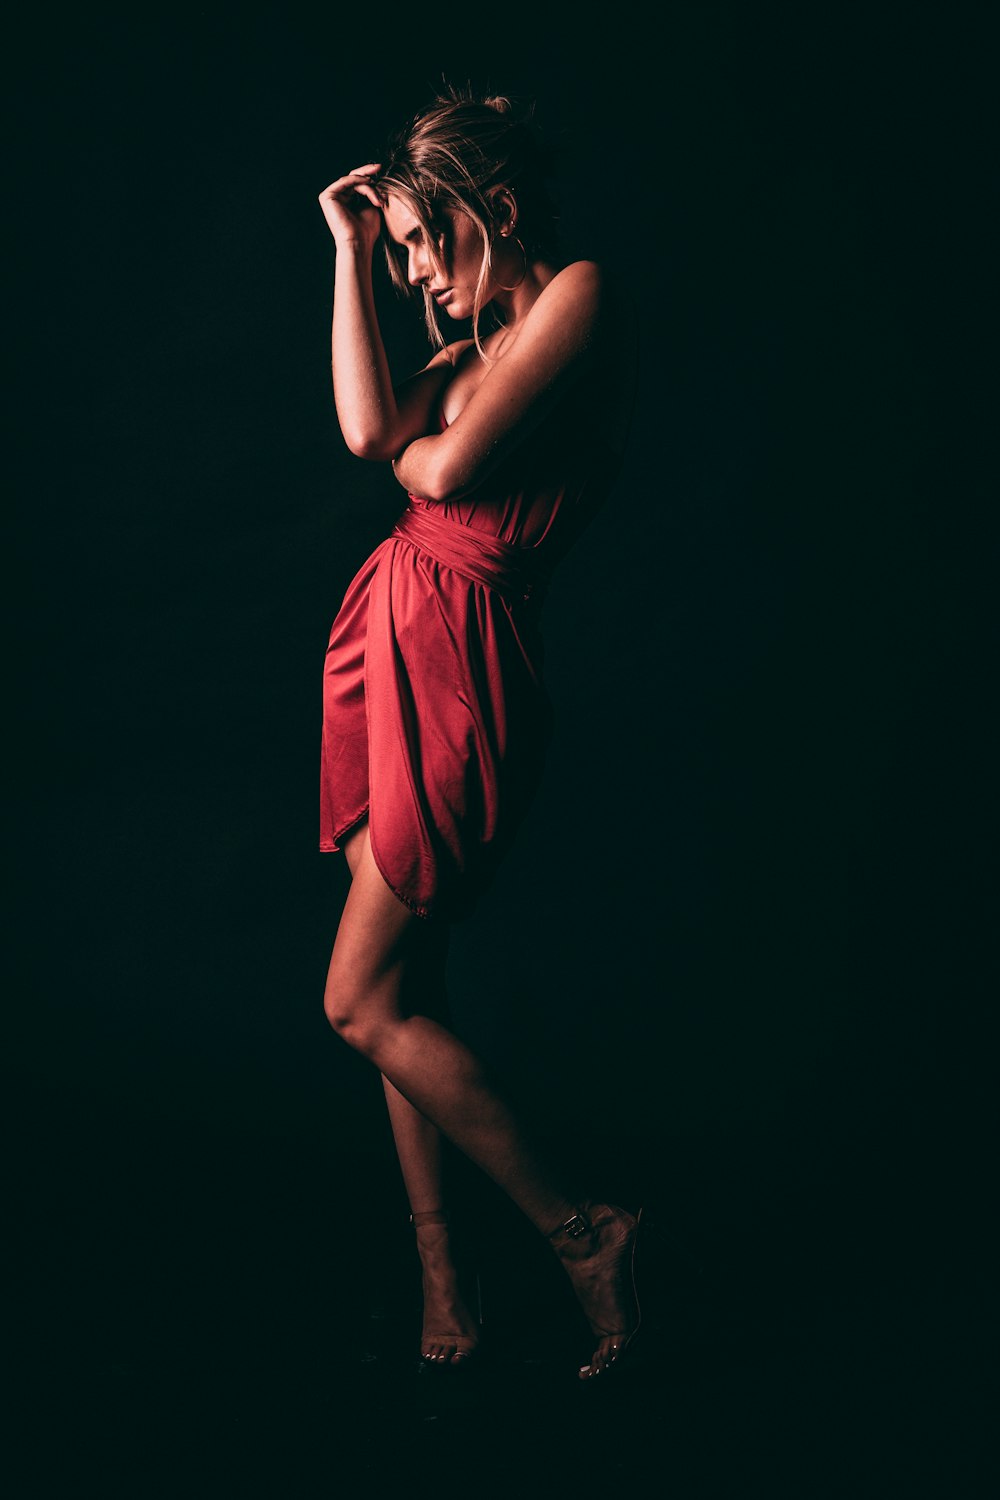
[582,282]
[591,314]
[584,293]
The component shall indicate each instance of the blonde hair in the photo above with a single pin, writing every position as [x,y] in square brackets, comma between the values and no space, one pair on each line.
[452,156]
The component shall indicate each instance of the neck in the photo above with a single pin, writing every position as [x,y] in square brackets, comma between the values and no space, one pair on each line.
[516,304]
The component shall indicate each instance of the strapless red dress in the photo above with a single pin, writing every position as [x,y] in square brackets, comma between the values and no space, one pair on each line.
[436,717]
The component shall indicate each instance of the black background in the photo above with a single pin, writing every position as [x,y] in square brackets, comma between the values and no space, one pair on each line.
[735,964]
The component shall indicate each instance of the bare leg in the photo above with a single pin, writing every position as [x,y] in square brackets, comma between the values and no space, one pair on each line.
[449,1332]
[418,1141]
[380,960]
[420,1148]
[449,1326]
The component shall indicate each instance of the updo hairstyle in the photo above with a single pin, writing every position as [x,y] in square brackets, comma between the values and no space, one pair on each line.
[451,156]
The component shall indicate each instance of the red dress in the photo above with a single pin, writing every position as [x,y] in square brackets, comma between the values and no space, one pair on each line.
[436,716]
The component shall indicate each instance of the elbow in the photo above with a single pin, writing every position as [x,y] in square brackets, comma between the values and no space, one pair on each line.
[363,445]
[438,494]
[433,484]
[443,482]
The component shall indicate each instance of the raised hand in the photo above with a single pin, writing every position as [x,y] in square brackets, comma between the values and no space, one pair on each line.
[352,208]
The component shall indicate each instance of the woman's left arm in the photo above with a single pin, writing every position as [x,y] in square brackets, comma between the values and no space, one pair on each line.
[557,346]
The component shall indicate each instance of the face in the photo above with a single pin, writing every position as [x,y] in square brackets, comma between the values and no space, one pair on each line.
[453,278]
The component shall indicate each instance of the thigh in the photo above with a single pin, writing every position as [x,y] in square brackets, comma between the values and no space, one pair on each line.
[354,842]
[380,939]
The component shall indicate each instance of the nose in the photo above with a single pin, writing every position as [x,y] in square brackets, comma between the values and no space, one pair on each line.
[416,270]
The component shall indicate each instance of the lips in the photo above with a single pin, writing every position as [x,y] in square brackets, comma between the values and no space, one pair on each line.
[443,296]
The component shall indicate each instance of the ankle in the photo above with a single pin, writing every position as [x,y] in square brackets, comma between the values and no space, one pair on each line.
[433,1234]
[589,1229]
[581,1218]
[429,1216]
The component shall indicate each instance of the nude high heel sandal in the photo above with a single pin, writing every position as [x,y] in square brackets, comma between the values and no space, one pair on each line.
[463,1347]
[598,1251]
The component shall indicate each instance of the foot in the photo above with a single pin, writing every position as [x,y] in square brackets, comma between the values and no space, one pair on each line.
[596,1248]
[450,1330]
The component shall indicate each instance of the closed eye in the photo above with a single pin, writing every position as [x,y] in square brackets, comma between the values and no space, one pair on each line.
[412,237]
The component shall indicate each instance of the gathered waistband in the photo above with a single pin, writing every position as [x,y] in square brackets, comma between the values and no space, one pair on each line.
[513,572]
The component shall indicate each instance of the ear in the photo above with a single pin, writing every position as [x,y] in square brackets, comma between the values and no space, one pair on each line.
[504,206]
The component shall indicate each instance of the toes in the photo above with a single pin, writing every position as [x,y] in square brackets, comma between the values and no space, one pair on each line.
[602,1359]
[438,1354]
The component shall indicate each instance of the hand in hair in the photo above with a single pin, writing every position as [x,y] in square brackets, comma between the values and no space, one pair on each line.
[352,219]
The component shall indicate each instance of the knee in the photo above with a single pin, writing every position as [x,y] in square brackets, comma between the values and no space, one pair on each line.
[351,1014]
[342,1006]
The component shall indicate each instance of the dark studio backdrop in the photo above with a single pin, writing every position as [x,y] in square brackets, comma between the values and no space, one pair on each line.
[733,964]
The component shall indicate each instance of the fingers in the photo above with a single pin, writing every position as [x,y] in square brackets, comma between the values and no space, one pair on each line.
[352,178]
[350,182]
[356,181]
[348,202]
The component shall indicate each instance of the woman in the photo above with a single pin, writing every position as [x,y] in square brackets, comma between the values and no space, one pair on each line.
[435,713]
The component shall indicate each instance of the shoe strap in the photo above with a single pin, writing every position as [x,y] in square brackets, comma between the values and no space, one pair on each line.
[429,1216]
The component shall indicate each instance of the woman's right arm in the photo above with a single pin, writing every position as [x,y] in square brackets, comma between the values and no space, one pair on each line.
[377,420]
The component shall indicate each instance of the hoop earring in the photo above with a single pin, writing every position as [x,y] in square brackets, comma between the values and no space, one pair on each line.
[517,283]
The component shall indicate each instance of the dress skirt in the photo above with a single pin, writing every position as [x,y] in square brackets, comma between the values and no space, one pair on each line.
[436,718]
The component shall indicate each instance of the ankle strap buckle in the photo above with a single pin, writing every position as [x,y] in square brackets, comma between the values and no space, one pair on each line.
[574,1227]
